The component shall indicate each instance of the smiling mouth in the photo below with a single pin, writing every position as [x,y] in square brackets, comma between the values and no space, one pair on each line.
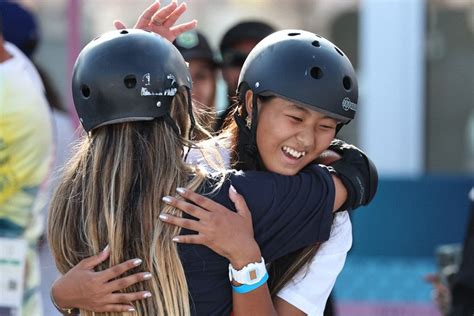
[293,153]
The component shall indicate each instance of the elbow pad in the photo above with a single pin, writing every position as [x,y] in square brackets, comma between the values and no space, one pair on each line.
[357,172]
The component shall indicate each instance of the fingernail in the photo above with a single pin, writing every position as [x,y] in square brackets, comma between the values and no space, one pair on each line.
[147,295]
[137,262]
[233,189]
[166,199]
[163,217]
[176,239]
[106,248]
[180,190]
[131,309]
[147,276]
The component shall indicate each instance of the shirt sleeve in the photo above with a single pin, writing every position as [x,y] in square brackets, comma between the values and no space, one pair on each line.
[328,262]
[288,212]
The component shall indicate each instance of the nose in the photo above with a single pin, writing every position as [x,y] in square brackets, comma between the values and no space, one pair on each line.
[306,138]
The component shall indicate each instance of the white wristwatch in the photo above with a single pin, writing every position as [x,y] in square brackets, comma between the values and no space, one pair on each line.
[250,274]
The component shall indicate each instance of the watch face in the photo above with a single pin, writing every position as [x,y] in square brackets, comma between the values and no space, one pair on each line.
[253,274]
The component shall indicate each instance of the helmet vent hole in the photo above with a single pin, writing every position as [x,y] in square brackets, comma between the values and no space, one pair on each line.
[339,51]
[124,32]
[318,35]
[316,44]
[130,81]
[293,34]
[347,83]
[316,73]
[85,91]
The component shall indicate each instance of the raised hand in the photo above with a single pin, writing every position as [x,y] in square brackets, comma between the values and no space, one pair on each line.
[161,21]
[82,287]
[228,233]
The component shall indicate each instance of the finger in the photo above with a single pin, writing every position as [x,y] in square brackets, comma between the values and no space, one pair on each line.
[179,29]
[125,298]
[432,278]
[187,207]
[92,262]
[202,201]
[123,283]
[239,202]
[174,16]
[115,308]
[182,222]
[119,269]
[119,25]
[147,15]
[190,239]
[160,16]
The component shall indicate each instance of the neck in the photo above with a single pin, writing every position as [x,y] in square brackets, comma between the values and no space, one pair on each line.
[4,55]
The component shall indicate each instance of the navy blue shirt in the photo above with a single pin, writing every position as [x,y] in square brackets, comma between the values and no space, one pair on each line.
[288,213]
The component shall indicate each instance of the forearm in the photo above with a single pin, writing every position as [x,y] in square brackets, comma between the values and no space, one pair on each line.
[258,301]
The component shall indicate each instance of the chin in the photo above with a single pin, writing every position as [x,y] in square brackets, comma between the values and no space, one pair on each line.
[287,171]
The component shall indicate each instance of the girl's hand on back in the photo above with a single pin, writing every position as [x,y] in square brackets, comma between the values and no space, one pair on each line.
[161,21]
[82,287]
[228,233]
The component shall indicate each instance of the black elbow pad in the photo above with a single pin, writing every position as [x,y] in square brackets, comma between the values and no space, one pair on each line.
[357,172]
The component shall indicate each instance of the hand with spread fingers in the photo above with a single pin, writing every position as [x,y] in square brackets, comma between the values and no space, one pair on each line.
[161,21]
[228,233]
[98,291]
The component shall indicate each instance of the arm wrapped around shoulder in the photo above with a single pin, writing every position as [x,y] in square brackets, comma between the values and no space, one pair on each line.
[357,172]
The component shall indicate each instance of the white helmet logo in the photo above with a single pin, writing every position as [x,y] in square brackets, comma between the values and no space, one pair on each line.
[347,105]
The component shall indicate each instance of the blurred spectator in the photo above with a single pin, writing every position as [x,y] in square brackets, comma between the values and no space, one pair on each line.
[25,152]
[21,29]
[203,68]
[235,45]
[456,298]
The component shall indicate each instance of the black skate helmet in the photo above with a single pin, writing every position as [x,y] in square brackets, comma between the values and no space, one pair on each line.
[127,75]
[305,68]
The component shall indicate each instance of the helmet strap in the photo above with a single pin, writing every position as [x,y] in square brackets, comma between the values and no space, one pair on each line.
[247,151]
[190,112]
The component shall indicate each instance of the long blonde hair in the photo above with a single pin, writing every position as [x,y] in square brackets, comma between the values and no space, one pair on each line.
[111,194]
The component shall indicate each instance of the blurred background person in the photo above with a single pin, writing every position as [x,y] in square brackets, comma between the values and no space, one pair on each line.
[234,47]
[453,293]
[21,29]
[204,68]
[25,156]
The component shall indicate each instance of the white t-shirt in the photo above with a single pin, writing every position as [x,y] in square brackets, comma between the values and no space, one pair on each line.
[25,65]
[310,288]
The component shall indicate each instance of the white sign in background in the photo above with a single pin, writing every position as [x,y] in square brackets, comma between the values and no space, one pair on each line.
[12,267]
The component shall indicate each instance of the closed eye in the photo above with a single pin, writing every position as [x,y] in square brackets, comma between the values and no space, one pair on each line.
[295,118]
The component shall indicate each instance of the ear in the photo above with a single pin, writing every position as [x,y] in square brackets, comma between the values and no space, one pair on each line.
[249,102]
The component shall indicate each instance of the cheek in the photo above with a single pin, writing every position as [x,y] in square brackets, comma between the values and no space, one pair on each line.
[267,140]
[324,140]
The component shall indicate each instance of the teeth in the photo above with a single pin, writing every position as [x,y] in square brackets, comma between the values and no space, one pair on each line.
[294,153]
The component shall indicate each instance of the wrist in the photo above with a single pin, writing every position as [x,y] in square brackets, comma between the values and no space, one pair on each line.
[246,256]
[249,278]
[61,304]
